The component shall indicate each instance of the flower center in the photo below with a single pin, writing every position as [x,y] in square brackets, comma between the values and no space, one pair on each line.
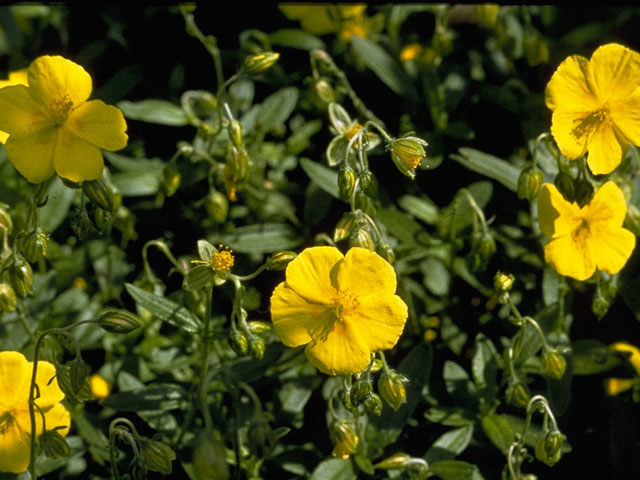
[58,110]
[344,304]
[581,233]
[352,131]
[6,420]
[590,122]
[222,261]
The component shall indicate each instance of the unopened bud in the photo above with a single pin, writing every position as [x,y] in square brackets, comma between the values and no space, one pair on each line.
[392,389]
[324,91]
[157,455]
[239,343]
[217,206]
[584,191]
[98,193]
[344,439]
[519,395]
[54,444]
[34,245]
[554,364]
[238,162]
[373,404]
[486,246]
[21,277]
[565,185]
[360,391]
[118,322]
[399,460]
[386,252]
[345,227]
[529,183]
[235,133]
[407,153]
[503,282]
[363,202]
[78,374]
[8,300]
[257,348]
[170,180]
[549,447]
[346,183]
[6,224]
[101,219]
[63,375]
[280,260]
[260,62]
[362,238]
[258,327]
[369,184]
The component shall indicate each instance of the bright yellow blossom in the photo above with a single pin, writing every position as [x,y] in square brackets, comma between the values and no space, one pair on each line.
[595,106]
[342,307]
[15,422]
[53,128]
[18,77]
[583,239]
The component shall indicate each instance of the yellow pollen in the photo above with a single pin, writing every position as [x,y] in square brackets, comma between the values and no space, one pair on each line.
[589,123]
[344,304]
[222,261]
[59,109]
[352,131]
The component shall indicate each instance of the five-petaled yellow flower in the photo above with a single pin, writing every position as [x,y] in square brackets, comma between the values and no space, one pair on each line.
[15,423]
[53,128]
[342,307]
[596,105]
[583,239]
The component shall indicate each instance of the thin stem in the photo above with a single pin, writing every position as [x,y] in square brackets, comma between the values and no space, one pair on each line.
[162,246]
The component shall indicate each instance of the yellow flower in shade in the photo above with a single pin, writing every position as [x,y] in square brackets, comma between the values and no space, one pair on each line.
[53,128]
[19,77]
[615,386]
[342,307]
[410,52]
[323,19]
[99,386]
[595,106]
[583,239]
[15,423]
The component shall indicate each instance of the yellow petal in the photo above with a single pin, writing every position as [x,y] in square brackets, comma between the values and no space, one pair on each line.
[615,386]
[607,206]
[569,257]
[58,416]
[309,274]
[295,320]
[75,159]
[610,247]
[21,115]
[572,142]
[615,71]
[634,357]
[32,155]
[54,78]
[342,352]
[606,149]
[625,115]
[364,272]
[568,89]
[14,378]
[556,216]
[379,320]
[3,137]
[17,77]
[99,124]
[48,389]
[15,448]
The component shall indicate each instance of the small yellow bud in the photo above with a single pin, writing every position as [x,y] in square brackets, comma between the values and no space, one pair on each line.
[345,227]
[554,364]
[170,180]
[239,343]
[345,440]
[398,460]
[34,245]
[407,153]
[549,447]
[518,394]
[503,282]
[260,62]
[392,389]
[99,386]
[8,300]
[217,206]
[324,91]
[362,238]
[346,183]
[280,260]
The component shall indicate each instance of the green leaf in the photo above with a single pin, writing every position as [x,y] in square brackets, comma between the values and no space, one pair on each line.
[333,469]
[154,111]
[161,397]
[294,38]
[499,431]
[277,107]
[421,208]
[400,225]
[450,444]
[591,356]
[458,385]
[326,178]
[484,366]
[383,65]
[490,166]
[139,176]
[261,238]
[165,309]
[436,276]
[455,470]
[450,416]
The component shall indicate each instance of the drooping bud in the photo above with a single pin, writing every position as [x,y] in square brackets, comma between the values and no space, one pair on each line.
[565,185]
[518,394]
[34,245]
[235,133]
[362,238]
[64,382]
[386,252]
[257,347]
[369,184]
[345,227]
[554,364]
[217,206]
[373,404]
[260,62]
[118,322]
[239,343]
[324,90]
[21,277]
[98,193]
[8,300]
[6,224]
[280,260]
[54,445]
[392,389]
[346,183]
[156,455]
[549,447]
[258,327]
[238,162]
[344,439]
[170,180]
[78,375]
[407,153]
[399,460]
[529,183]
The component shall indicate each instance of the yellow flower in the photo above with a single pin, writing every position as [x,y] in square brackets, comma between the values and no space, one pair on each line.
[19,77]
[342,307]
[595,106]
[583,239]
[410,52]
[53,128]
[99,386]
[615,386]
[634,354]
[15,423]
[323,19]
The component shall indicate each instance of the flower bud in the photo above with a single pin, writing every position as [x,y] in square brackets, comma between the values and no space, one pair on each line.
[549,447]
[21,277]
[239,343]
[554,364]
[138,469]
[198,277]
[362,238]
[54,445]
[238,162]
[503,282]
[373,404]
[8,300]
[258,327]
[156,455]
[324,90]
[344,439]
[369,184]
[386,252]
[399,460]
[391,388]
[260,62]
[34,245]
[584,191]
[518,394]
[235,133]
[209,458]
[118,322]
[170,180]
[345,227]
[217,206]
[360,391]
[486,246]
[257,347]
[346,183]
[565,185]
[529,183]
[280,260]
[78,374]
[407,153]
[363,202]
[6,224]
[63,374]
[101,219]
[98,193]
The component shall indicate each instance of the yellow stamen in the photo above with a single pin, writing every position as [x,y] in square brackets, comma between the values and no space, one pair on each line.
[222,261]
[58,110]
